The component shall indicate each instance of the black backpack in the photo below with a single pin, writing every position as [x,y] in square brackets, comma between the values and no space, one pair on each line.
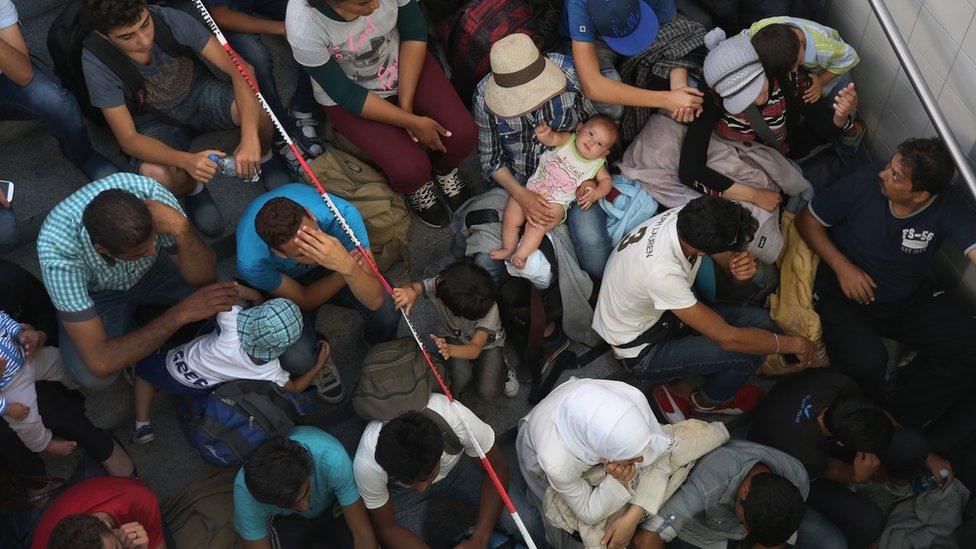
[71,31]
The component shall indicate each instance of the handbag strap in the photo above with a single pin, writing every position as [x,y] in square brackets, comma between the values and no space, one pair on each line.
[761,128]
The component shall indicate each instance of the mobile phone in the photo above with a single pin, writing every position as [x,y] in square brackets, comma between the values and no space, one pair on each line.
[8,189]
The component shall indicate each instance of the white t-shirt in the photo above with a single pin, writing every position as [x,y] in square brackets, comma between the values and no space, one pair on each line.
[8,15]
[646,275]
[367,48]
[217,357]
[373,481]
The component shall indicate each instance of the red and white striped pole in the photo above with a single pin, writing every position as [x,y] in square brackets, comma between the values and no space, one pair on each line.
[489,469]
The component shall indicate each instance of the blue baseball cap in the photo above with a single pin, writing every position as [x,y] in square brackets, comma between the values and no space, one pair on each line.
[629,27]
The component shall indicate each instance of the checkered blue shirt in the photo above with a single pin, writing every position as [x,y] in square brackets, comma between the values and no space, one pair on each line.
[71,268]
[11,350]
[510,142]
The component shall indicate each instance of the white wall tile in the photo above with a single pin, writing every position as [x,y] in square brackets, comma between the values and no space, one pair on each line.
[856,12]
[969,43]
[874,69]
[904,102]
[881,149]
[931,76]
[870,105]
[891,129]
[904,12]
[876,35]
[960,118]
[953,15]
[934,43]
[962,79]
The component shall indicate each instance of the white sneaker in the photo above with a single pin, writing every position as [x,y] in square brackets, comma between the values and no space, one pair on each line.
[329,385]
[511,388]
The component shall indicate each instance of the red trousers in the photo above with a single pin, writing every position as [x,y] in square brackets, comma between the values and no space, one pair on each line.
[406,164]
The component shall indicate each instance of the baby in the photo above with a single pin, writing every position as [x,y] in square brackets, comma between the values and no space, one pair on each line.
[23,360]
[573,169]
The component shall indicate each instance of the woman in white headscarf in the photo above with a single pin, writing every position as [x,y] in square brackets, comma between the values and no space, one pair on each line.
[581,424]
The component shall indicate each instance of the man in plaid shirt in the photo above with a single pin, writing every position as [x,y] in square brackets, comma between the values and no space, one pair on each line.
[100,258]
[509,152]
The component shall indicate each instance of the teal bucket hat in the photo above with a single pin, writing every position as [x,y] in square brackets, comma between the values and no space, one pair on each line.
[268,329]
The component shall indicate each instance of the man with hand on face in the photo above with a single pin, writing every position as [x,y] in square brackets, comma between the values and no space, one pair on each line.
[99,251]
[649,313]
[290,245]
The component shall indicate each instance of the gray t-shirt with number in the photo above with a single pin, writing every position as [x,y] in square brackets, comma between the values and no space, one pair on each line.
[463,329]
[168,79]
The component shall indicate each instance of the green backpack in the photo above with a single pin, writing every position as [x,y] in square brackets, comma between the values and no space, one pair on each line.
[384,211]
[394,379]
[203,514]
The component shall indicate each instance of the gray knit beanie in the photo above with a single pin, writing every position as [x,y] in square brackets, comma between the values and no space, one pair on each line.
[733,70]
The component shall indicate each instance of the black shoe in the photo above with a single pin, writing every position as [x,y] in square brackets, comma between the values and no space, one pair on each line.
[204,213]
[428,207]
[453,190]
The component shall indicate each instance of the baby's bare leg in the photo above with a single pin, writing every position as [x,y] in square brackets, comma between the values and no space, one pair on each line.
[532,237]
[512,221]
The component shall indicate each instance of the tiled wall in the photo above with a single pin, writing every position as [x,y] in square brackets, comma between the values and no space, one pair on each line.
[941,35]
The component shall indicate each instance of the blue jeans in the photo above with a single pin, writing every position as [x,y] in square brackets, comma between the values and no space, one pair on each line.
[250,47]
[463,484]
[8,227]
[587,229]
[43,99]
[380,325]
[161,285]
[696,355]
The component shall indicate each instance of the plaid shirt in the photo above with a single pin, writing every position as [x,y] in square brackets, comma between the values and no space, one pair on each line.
[11,350]
[510,142]
[70,266]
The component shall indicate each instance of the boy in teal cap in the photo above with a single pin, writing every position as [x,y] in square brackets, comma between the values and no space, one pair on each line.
[245,345]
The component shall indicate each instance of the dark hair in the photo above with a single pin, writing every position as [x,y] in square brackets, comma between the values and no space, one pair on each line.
[929,164]
[715,225]
[466,289]
[108,15]
[409,447]
[778,48]
[859,424]
[773,510]
[117,220]
[276,471]
[278,221]
[78,532]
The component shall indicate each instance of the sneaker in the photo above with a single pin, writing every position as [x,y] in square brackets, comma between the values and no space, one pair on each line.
[329,385]
[144,434]
[204,213]
[306,133]
[747,398]
[453,189]
[287,156]
[511,388]
[672,405]
[428,207]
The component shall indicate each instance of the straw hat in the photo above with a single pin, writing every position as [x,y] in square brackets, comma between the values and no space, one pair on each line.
[521,78]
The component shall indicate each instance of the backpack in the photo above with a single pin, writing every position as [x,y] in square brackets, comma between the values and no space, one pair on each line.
[202,515]
[384,211]
[470,33]
[71,31]
[227,424]
[394,379]
[633,206]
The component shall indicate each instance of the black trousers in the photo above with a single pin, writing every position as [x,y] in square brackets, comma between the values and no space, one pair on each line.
[329,528]
[942,373]
[63,411]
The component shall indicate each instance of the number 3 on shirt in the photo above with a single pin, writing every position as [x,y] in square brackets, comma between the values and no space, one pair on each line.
[632,239]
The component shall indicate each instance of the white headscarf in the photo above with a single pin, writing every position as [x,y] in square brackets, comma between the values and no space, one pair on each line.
[609,420]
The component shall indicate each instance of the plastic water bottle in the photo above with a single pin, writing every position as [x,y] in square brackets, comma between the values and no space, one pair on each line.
[227,167]
[925,481]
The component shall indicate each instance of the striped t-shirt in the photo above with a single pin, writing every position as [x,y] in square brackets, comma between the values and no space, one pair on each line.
[11,350]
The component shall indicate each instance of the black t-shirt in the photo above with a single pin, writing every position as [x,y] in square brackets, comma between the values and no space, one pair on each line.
[894,251]
[787,418]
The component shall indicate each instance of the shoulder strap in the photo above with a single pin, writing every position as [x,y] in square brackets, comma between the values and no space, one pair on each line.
[761,128]
[167,41]
[119,64]
[452,444]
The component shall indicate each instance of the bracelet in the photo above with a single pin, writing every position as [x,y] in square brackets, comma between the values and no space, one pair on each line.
[849,124]
[776,337]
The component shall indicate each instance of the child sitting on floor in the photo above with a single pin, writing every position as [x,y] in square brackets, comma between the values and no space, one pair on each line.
[786,43]
[464,295]
[24,360]
[565,173]
[245,345]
